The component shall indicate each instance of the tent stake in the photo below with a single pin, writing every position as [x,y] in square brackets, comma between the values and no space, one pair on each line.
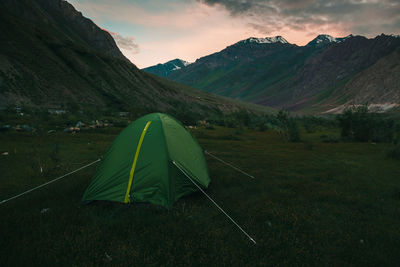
[230,165]
[241,229]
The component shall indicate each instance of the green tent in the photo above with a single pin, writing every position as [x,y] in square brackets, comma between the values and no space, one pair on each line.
[146,161]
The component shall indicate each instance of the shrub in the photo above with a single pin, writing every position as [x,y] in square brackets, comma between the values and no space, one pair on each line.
[294,131]
[289,129]
[359,125]
[356,123]
[312,124]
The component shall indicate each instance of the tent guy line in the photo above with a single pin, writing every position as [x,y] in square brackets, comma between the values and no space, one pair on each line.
[230,165]
[49,182]
[229,217]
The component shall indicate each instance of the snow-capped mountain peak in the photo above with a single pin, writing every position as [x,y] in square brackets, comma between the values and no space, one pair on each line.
[185,63]
[266,40]
[324,39]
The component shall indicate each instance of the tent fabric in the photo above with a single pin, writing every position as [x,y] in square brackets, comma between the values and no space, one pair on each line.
[154,178]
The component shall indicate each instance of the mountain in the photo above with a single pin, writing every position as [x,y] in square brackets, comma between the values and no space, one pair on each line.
[266,40]
[238,69]
[271,71]
[52,56]
[325,39]
[335,67]
[378,83]
[244,69]
[163,70]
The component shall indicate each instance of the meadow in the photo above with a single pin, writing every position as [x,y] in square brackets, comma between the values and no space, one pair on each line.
[314,202]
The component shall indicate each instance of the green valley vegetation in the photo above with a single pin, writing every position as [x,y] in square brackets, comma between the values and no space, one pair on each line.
[325,74]
[328,199]
[360,125]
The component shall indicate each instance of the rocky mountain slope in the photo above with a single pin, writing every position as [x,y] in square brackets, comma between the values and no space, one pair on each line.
[163,70]
[314,77]
[377,85]
[52,56]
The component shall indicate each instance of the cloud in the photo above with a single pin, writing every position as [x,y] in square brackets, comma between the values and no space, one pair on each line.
[189,29]
[125,43]
[367,17]
[186,30]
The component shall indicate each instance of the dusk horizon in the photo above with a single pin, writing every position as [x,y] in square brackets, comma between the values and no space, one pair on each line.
[153,32]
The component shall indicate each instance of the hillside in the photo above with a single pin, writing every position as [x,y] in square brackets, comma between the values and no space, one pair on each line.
[311,77]
[332,72]
[163,70]
[377,84]
[52,56]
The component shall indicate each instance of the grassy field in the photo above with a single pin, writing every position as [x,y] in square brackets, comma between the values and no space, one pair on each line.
[312,203]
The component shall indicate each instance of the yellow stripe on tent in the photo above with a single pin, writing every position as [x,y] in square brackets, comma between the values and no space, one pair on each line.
[127,200]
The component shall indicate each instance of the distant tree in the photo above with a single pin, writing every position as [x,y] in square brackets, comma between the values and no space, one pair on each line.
[357,124]
[289,129]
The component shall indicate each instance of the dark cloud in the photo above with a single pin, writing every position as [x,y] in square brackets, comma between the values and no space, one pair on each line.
[356,16]
[126,43]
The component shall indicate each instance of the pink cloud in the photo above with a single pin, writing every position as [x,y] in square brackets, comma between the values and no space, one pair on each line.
[126,44]
[192,29]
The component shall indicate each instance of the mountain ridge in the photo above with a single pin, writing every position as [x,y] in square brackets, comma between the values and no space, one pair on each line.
[285,75]
[164,69]
[324,39]
[52,56]
[265,40]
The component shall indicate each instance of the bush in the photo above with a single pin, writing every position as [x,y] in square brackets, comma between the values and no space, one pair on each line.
[289,129]
[356,123]
[359,125]
[294,131]
[312,124]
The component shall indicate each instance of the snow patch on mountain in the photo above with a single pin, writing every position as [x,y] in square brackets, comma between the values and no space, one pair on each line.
[166,68]
[324,39]
[266,40]
[176,68]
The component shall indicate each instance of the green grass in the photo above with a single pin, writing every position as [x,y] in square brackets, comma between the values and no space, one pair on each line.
[328,204]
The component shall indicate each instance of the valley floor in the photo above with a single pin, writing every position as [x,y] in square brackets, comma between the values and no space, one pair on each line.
[311,203]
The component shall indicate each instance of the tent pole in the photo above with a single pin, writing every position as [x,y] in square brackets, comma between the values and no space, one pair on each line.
[229,217]
[230,165]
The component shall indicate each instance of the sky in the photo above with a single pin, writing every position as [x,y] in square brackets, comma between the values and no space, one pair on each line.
[149,32]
